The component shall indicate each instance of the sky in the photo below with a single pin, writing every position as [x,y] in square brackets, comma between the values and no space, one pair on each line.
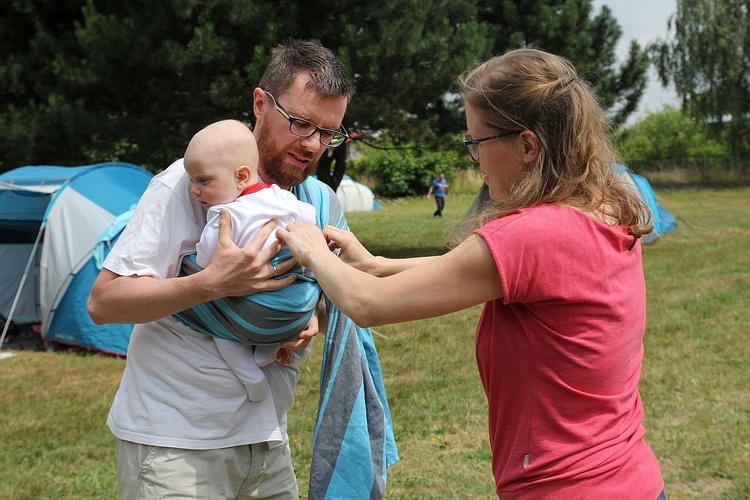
[643,21]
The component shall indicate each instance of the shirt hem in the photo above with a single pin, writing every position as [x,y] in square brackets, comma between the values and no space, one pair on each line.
[276,436]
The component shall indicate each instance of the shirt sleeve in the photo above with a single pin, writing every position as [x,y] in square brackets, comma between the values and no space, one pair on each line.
[162,230]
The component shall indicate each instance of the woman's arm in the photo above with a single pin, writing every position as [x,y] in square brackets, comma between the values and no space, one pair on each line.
[233,271]
[355,254]
[464,277]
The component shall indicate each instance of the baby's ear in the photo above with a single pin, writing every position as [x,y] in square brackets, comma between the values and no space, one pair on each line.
[244,175]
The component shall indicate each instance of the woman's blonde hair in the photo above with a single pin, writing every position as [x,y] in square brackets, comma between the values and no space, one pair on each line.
[528,89]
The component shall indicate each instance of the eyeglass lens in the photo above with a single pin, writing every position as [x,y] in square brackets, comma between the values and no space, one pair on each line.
[471,148]
[303,128]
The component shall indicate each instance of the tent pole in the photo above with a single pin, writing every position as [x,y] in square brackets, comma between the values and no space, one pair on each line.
[20,287]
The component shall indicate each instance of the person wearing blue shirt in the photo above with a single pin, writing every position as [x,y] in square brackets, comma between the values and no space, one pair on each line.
[437,188]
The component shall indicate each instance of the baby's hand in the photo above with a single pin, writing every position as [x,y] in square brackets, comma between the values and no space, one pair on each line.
[284,356]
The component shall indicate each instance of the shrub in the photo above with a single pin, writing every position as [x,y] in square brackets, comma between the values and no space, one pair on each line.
[406,171]
[667,135]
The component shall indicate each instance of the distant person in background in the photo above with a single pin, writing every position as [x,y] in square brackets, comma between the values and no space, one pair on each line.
[437,188]
[555,258]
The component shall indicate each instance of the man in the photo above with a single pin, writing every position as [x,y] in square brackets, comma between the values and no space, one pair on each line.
[184,424]
[437,187]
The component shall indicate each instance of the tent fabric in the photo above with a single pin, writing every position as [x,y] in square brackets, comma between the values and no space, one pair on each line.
[664,221]
[11,275]
[355,197]
[32,189]
[70,208]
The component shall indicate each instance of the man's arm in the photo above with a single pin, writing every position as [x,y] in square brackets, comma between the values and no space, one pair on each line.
[233,271]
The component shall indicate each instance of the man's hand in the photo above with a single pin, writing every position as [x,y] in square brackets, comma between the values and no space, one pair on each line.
[233,271]
[304,338]
[236,271]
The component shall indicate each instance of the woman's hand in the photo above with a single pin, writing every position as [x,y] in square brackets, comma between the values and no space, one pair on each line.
[304,240]
[351,250]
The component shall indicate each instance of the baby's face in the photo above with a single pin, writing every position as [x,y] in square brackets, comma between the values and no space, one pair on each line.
[212,184]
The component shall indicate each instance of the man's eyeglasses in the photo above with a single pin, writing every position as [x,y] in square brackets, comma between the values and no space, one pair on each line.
[304,128]
[472,145]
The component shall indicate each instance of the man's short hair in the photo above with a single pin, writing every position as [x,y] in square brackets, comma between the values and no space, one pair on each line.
[328,76]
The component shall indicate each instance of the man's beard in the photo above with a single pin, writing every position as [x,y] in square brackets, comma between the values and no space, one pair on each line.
[274,168]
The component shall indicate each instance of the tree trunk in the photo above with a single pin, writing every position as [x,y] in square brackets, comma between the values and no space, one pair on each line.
[332,166]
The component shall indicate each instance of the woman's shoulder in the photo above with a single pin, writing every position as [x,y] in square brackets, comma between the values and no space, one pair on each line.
[546,214]
[550,225]
[537,215]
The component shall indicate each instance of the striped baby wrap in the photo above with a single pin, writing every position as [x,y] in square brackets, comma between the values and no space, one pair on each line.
[258,319]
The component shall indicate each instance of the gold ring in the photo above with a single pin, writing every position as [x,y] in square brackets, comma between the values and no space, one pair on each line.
[275,271]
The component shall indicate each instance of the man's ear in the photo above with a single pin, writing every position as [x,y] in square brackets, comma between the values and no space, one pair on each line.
[530,145]
[259,102]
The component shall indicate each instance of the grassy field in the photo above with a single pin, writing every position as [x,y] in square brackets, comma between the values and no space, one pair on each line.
[54,443]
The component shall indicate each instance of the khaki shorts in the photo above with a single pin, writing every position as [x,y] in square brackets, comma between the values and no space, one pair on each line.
[249,471]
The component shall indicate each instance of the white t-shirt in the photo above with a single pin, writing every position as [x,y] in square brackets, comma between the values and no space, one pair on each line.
[176,390]
[249,214]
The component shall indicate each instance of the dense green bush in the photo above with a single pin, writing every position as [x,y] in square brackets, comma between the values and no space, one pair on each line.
[668,135]
[406,171]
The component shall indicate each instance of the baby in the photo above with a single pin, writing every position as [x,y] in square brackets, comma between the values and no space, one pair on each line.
[221,162]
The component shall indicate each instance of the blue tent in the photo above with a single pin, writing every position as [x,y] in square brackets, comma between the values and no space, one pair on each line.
[56,226]
[663,220]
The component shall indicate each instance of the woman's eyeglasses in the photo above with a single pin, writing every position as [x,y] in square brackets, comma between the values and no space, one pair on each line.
[472,145]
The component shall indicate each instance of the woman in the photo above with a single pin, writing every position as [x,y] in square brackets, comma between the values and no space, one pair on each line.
[556,259]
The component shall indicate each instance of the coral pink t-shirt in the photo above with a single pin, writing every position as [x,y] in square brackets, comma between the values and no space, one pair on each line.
[560,357]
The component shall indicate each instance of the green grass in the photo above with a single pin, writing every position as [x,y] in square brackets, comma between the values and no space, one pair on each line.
[54,443]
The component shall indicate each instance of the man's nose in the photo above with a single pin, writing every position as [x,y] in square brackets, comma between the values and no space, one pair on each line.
[313,143]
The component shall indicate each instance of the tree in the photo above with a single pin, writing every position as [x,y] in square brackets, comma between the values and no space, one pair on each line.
[404,57]
[568,28]
[708,63]
[31,33]
[124,80]
[133,80]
